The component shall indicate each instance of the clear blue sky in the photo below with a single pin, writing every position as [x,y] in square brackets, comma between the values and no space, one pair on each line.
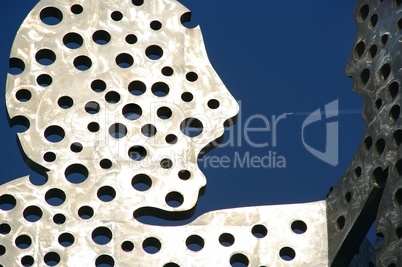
[275,57]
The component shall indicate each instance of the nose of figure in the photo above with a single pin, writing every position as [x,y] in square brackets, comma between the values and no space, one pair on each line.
[131,95]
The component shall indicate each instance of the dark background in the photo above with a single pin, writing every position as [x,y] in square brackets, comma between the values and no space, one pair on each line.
[275,57]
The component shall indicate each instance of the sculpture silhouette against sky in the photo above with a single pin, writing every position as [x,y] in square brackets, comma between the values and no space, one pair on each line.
[119,100]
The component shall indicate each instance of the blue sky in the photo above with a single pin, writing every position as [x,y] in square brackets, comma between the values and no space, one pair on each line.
[275,57]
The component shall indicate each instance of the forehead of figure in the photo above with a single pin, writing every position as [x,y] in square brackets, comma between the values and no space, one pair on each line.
[108,84]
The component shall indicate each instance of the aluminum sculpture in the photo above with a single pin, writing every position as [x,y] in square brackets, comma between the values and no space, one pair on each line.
[119,100]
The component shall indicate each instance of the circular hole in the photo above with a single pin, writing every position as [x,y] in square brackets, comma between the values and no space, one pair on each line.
[76,173]
[73,40]
[7,202]
[160,89]
[378,103]
[195,243]
[213,104]
[184,175]
[106,193]
[51,259]
[393,89]
[137,2]
[45,57]
[226,239]
[191,127]
[104,261]
[38,179]
[136,88]
[65,102]
[287,253]
[348,197]
[379,177]
[141,182]
[239,260]
[132,111]
[359,49]
[164,113]
[23,95]
[59,218]
[166,163]
[174,199]
[373,20]
[92,107]
[363,13]
[116,16]
[398,137]
[82,63]
[66,239]
[77,9]
[394,113]
[171,139]
[137,153]
[23,241]
[76,147]
[55,197]
[32,214]
[44,80]
[124,60]
[187,97]
[19,124]
[118,130]
[299,227]
[385,71]
[384,39]
[98,86]
[93,127]
[27,261]
[101,37]
[5,229]
[167,71]
[2,250]
[85,212]
[171,264]
[131,39]
[49,157]
[154,52]
[155,25]
[191,76]
[364,76]
[358,172]
[340,222]
[380,146]
[148,130]
[51,16]
[398,198]
[16,66]
[112,97]
[127,246]
[102,235]
[54,134]
[373,51]
[259,231]
[105,164]
[151,245]
[185,20]
[368,141]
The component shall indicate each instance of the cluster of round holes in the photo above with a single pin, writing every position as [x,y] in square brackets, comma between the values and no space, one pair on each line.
[154,52]
[118,130]
[85,212]
[23,95]
[51,16]
[124,60]
[45,57]
[131,39]
[55,197]
[73,40]
[101,37]
[141,182]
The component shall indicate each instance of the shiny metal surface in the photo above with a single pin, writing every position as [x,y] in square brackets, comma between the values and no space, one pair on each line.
[119,100]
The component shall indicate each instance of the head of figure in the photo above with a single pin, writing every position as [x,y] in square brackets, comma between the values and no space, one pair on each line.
[117,93]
